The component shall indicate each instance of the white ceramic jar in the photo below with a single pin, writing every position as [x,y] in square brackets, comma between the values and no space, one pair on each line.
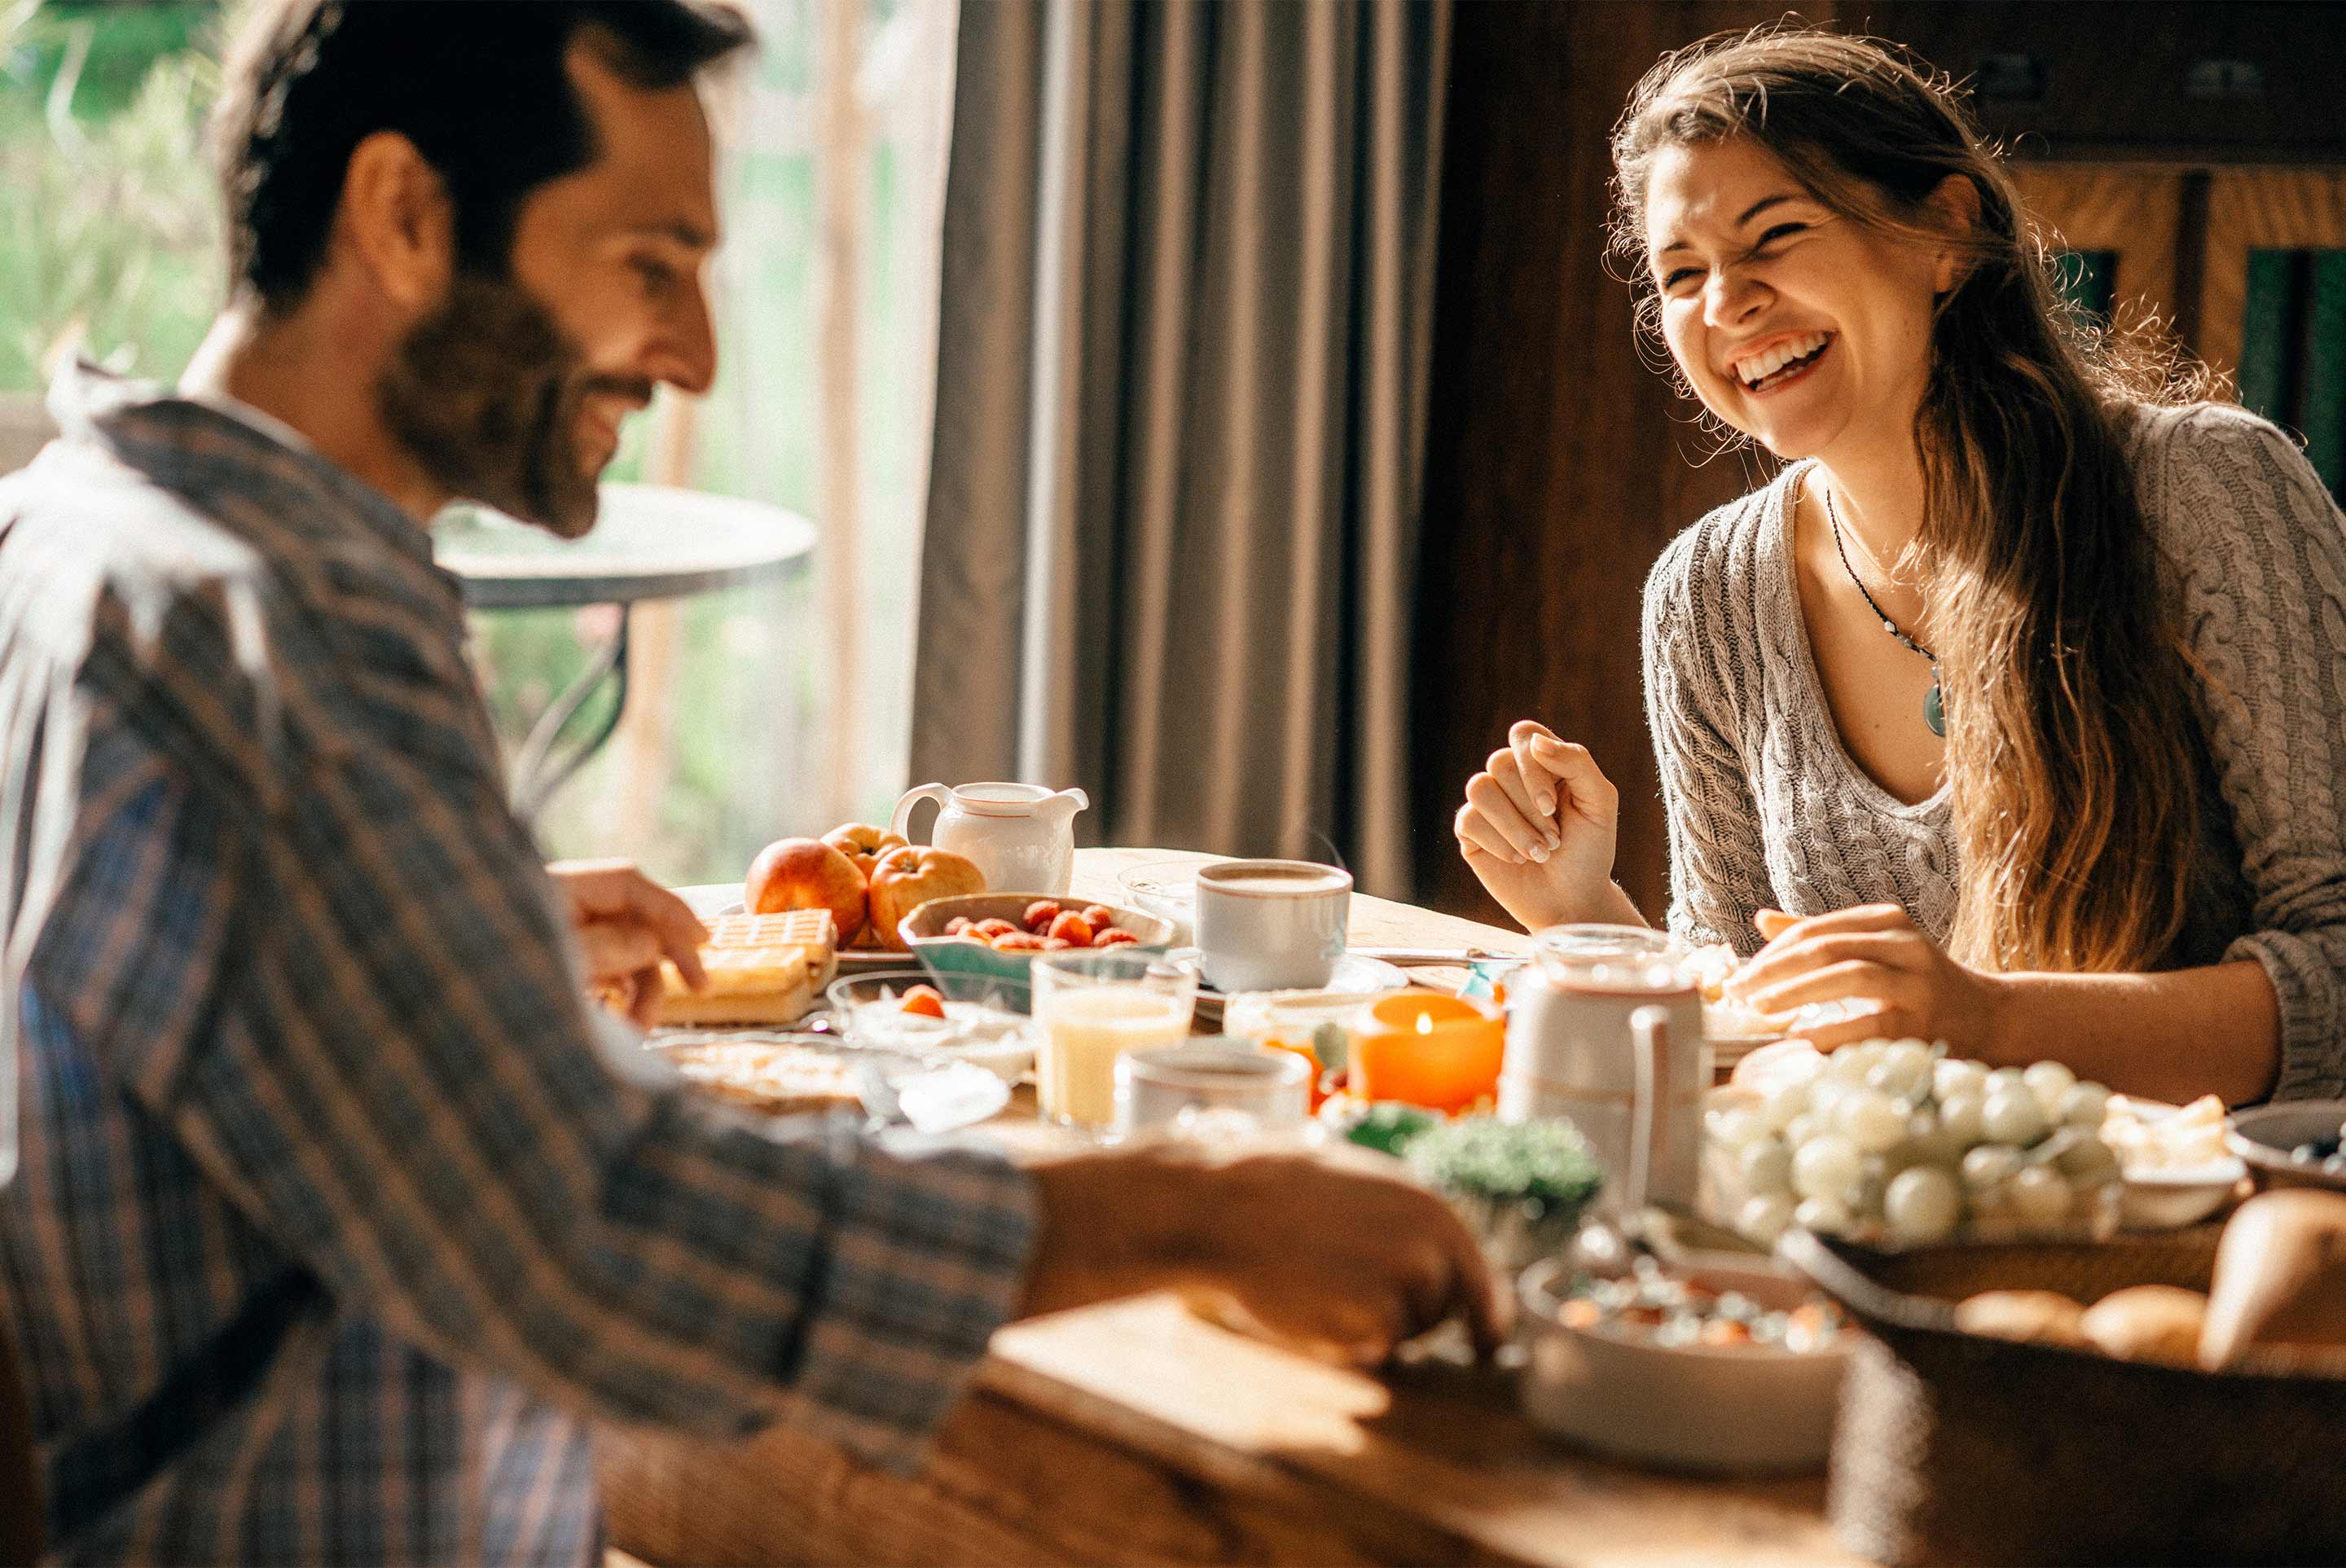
[1021,837]
[1605,1026]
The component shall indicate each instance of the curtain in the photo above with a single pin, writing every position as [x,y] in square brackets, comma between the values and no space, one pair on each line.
[1180,408]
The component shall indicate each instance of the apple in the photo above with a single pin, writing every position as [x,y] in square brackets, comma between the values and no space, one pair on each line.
[908,877]
[864,844]
[807,874]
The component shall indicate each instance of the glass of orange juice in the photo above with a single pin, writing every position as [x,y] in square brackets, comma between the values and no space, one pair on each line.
[1095,1005]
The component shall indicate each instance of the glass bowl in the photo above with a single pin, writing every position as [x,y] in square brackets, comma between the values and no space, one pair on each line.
[1167,889]
[983,1024]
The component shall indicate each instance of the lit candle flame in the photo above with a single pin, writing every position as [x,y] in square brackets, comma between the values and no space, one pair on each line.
[1425,1024]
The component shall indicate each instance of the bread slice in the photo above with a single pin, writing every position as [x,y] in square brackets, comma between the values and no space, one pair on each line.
[762,968]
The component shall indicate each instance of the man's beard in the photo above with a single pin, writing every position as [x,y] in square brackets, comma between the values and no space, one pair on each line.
[485,392]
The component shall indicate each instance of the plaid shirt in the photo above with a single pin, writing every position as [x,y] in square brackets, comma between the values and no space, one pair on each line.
[338,1217]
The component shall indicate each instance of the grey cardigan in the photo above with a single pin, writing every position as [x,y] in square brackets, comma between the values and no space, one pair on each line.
[1767,808]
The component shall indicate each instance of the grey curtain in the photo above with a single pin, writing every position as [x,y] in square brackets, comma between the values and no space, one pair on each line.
[1172,520]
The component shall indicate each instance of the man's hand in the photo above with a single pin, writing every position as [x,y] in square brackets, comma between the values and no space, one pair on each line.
[627,923]
[1331,1252]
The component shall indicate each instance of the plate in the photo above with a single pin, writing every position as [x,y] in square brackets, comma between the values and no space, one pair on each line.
[1365,976]
[1355,975]
[858,1006]
[935,1094]
[708,899]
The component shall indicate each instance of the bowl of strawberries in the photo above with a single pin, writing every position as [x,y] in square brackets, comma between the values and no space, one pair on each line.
[996,936]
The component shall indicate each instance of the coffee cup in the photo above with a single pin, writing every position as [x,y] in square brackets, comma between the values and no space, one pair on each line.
[1270,925]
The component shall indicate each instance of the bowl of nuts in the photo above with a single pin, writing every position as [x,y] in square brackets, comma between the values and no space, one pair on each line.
[1721,1365]
[996,936]
[2293,1142]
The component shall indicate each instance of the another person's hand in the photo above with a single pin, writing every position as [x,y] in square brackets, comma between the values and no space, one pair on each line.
[627,923]
[1539,827]
[1331,1252]
[1894,980]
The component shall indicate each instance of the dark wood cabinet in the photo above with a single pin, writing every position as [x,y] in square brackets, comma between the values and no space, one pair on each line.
[2171,80]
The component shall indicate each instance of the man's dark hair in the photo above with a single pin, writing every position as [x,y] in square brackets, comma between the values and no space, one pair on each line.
[480,88]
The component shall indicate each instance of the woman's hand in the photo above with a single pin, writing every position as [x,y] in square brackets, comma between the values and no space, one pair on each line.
[1894,979]
[627,923]
[1538,828]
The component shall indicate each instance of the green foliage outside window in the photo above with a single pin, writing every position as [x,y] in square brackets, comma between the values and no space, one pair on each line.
[109,222]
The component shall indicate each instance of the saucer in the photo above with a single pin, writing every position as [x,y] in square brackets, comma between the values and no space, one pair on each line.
[1354,975]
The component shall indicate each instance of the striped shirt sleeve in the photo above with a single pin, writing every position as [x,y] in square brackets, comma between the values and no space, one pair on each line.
[351,991]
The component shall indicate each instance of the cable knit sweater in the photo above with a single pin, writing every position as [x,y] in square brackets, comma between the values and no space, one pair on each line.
[1767,808]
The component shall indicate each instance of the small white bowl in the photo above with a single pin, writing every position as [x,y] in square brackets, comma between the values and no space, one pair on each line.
[2171,1199]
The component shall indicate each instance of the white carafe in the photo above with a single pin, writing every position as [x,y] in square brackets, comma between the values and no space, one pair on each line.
[1022,837]
[1605,1026]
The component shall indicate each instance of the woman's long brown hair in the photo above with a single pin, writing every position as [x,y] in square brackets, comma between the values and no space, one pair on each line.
[2072,747]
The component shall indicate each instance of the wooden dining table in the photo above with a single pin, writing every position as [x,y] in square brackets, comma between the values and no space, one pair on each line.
[1135,1432]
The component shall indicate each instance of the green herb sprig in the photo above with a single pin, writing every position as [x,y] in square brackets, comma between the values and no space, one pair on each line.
[1546,1161]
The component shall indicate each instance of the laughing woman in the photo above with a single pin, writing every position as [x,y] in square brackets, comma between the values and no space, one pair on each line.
[2023,688]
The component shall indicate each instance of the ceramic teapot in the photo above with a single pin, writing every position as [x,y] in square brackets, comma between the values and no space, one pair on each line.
[1020,836]
[1605,1026]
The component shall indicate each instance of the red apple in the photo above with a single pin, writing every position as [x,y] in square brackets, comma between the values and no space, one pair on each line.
[807,874]
[864,844]
[908,877]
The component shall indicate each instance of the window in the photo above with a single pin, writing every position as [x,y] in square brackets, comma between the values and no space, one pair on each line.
[756,712]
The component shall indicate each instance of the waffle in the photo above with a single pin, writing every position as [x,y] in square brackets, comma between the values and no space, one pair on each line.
[762,968]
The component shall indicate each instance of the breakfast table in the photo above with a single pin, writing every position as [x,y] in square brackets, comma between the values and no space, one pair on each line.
[1136,1432]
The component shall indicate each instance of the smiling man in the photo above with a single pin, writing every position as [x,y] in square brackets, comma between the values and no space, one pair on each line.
[339,1216]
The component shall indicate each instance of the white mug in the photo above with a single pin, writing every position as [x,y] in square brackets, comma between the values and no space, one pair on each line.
[1271,925]
[1249,1088]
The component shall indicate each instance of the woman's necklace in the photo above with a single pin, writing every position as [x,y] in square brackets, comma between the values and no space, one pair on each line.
[1935,712]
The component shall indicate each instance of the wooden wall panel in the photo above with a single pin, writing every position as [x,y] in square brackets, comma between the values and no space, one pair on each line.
[2260,209]
[2131,209]
[1559,463]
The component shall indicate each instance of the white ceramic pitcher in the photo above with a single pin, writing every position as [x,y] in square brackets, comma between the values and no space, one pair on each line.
[1020,836]
[1605,1026]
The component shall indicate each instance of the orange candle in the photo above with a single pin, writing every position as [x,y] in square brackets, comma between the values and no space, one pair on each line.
[1427,1049]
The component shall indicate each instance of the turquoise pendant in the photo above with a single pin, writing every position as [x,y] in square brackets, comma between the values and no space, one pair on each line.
[1934,713]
